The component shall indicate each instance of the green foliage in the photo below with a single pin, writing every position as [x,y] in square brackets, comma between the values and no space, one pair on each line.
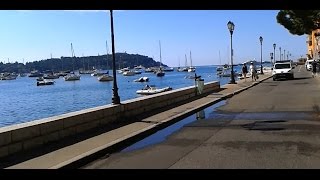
[299,22]
[81,63]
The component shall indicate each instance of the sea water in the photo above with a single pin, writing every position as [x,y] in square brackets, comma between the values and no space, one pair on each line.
[22,100]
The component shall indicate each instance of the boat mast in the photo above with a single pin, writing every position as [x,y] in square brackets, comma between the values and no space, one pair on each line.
[52,64]
[84,66]
[190,60]
[72,55]
[219,58]
[120,62]
[186,63]
[160,54]
[107,54]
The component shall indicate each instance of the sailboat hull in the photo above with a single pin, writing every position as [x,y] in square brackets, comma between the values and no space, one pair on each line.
[160,74]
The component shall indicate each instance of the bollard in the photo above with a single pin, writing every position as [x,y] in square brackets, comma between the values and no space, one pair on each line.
[200,85]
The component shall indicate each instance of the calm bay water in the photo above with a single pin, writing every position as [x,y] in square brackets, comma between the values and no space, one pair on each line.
[22,100]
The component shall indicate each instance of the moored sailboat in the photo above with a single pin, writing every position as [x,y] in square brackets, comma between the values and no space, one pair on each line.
[160,72]
[191,68]
[72,76]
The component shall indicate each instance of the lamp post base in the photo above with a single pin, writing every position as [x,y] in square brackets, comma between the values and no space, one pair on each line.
[232,80]
[115,96]
[116,100]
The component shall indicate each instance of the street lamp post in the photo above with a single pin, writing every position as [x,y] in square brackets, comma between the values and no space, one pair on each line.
[115,96]
[274,52]
[271,56]
[261,39]
[231,28]
[280,53]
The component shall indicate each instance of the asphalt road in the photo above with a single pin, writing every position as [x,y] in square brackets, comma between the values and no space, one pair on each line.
[275,124]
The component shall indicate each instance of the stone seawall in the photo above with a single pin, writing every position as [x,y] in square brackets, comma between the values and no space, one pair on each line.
[34,134]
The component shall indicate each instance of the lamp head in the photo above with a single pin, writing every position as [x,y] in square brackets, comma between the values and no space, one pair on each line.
[230,26]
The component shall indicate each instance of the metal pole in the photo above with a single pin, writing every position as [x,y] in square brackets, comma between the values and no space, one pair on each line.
[274,53]
[261,71]
[115,96]
[232,81]
[280,53]
[284,54]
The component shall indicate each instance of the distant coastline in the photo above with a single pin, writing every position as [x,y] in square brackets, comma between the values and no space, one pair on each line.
[103,62]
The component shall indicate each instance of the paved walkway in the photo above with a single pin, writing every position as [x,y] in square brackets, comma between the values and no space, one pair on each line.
[73,154]
[275,124]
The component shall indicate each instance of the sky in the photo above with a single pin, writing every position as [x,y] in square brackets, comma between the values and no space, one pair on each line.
[35,35]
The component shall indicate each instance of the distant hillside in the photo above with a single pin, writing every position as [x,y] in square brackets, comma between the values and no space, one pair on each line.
[84,63]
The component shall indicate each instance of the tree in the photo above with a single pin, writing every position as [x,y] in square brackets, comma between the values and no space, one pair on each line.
[299,22]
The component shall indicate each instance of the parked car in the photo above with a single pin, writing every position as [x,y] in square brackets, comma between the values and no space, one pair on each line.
[308,64]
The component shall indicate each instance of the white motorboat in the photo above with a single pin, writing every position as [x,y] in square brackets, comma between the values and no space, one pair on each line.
[105,77]
[142,79]
[8,76]
[72,77]
[148,90]
[137,72]
[45,82]
[128,73]
[191,69]
[139,67]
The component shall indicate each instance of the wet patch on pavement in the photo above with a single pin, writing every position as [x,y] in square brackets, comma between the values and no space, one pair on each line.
[161,135]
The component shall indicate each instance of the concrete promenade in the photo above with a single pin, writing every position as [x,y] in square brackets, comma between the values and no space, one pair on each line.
[275,124]
[85,151]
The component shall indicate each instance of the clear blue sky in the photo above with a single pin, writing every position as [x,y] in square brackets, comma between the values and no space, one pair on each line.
[34,35]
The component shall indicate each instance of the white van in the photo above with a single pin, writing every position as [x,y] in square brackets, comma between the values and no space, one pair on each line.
[308,64]
[283,69]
